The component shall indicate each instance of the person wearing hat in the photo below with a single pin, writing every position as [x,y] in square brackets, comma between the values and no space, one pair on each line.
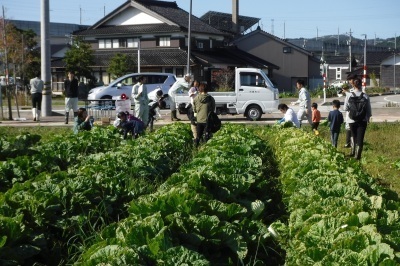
[180,84]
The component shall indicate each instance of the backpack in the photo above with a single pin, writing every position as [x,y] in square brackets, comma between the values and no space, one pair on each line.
[213,122]
[357,107]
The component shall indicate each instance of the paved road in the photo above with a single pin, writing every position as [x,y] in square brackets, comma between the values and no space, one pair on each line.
[384,108]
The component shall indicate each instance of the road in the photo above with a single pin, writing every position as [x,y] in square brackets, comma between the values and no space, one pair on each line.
[384,108]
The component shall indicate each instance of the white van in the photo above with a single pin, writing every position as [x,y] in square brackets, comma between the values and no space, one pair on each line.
[124,84]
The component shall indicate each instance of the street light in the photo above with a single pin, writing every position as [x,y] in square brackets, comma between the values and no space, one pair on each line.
[364,81]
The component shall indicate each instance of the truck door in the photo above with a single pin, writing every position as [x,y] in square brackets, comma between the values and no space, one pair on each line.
[253,88]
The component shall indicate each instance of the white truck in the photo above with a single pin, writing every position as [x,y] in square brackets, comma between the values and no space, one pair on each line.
[253,95]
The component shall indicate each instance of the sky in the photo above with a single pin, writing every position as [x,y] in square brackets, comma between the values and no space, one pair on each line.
[285,19]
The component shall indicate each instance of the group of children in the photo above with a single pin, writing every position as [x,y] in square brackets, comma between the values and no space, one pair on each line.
[335,119]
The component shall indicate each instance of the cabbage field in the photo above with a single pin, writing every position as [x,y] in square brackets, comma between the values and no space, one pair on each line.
[249,196]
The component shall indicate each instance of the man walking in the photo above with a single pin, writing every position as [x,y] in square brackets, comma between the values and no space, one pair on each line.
[71,95]
[304,102]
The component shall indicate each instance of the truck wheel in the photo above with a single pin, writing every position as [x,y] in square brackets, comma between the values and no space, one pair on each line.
[253,112]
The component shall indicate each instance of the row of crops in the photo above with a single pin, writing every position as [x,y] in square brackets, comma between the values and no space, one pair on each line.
[250,196]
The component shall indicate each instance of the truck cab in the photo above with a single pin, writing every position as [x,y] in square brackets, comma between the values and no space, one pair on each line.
[252,95]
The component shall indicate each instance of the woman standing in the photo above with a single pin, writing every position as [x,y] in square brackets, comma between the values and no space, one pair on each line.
[203,104]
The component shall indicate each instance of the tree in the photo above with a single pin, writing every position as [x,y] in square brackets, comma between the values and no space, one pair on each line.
[79,58]
[225,79]
[120,65]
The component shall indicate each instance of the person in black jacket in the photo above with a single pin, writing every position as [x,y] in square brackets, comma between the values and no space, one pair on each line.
[71,95]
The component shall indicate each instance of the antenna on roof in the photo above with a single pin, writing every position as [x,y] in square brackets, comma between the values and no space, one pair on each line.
[272,26]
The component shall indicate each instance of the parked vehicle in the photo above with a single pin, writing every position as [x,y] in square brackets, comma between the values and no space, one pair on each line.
[338,83]
[253,94]
[124,84]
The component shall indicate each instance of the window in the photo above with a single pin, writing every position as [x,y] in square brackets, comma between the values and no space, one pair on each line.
[287,50]
[108,43]
[338,73]
[200,45]
[133,42]
[102,44]
[251,79]
[211,43]
[115,43]
[122,43]
[164,41]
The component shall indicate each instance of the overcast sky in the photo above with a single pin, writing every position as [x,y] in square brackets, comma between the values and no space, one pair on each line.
[285,19]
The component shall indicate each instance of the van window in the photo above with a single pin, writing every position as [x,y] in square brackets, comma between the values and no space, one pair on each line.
[129,81]
[156,79]
[251,79]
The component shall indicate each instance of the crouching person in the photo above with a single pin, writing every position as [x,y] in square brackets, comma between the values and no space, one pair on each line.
[134,126]
[82,121]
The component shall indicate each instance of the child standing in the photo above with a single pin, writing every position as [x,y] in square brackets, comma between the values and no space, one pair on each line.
[316,118]
[335,118]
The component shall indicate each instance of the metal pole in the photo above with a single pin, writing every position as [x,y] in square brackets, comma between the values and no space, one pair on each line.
[394,63]
[189,38]
[138,56]
[364,81]
[45,58]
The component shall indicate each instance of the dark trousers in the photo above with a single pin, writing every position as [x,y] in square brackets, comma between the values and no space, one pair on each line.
[37,100]
[315,125]
[334,138]
[358,132]
[201,128]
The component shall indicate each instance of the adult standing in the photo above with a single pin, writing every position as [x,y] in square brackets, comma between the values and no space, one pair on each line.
[346,90]
[71,95]
[304,102]
[203,104]
[36,85]
[180,84]
[357,126]
[141,100]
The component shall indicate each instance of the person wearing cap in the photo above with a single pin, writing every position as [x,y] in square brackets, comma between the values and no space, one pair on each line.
[346,90]
[141,99]
[192,94]
[180,84]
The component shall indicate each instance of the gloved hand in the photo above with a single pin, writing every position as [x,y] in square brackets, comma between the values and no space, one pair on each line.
[195,114]
[281,120]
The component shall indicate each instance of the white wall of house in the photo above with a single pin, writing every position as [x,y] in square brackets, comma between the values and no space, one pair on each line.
[132,16]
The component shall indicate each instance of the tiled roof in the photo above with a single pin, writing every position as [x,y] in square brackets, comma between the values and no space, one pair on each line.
[167,11]
[376,58]
[148,57]
[128,29]
[223,21]
[232,56]
[172,12]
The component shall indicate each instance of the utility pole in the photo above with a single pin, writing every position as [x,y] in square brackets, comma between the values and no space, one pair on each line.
[350,59]
[364,81]
[6,69]
[189,38]
[394,63]
[45,58]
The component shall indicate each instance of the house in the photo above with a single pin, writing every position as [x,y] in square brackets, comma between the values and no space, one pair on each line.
[389,72]
[294,62]
[154,34]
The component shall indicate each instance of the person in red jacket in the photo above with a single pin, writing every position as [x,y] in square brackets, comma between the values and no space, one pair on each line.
[316,118]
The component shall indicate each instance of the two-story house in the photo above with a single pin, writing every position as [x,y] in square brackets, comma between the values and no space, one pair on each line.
[155,36]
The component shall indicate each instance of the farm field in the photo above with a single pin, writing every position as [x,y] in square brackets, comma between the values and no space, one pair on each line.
[252,195]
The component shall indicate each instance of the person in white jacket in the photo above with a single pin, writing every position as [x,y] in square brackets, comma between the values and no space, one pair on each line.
[180,84]
[304,102]
[290,115]
[36,92]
